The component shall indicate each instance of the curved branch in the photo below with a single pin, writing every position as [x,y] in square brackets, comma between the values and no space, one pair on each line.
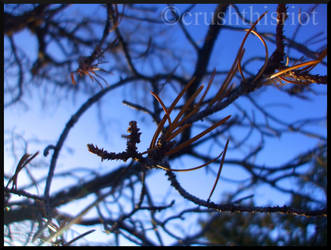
[71,123]
[235,208]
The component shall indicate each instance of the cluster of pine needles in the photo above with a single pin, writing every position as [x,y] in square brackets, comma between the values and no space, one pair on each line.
[162,144]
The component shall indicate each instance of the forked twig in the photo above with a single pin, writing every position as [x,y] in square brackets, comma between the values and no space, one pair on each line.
[25,160]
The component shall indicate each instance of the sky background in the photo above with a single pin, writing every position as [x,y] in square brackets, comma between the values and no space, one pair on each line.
[46,122]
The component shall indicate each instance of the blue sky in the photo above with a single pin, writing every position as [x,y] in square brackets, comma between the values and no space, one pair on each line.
[47,122]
